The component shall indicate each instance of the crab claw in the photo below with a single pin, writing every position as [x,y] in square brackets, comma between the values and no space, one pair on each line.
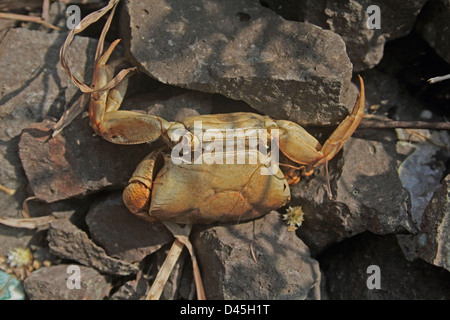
[303,149]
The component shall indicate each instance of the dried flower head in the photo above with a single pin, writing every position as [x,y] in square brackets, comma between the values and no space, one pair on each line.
[19,257]
[294,217]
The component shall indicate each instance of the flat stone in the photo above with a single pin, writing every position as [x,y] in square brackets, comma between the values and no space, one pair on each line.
[67,241]
[346,264]
[349,18]
[33,86]
[51,283]
[421,172]
[123,235]
[243,51]
[432,243]
[283,268]
[175,104]
[366,189]
[132,290]
[74,163]
[434,239]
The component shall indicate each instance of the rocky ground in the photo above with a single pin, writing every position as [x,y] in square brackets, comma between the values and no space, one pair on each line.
[295,60]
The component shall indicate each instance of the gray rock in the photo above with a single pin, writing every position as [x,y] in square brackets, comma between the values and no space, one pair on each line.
[67,241]
[242,51]
[345,266]
[349,19]
[434,239]
[33,86]
[123,235]
[50,283]
[366,189]
[420,173]
[74,163]
[433,25]
[175,104]
[432,244]
[283,268]
[132,290]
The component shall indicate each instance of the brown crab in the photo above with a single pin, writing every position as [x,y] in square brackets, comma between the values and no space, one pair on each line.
[162,189]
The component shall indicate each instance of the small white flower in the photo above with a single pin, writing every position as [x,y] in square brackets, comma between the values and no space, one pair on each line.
[19,257]
[294,217]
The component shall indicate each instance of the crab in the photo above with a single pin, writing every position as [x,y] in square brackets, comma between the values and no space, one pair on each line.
[162,189]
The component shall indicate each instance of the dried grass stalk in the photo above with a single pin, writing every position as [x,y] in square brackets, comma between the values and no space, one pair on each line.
[165,271]
[182,234]
[31,223]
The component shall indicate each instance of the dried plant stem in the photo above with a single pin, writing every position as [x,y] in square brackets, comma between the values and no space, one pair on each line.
[165,271]
[45,9]
[21,17]
[69,115]
[439,79]
[31,223]
[376,124]
[7,190]
[182,234]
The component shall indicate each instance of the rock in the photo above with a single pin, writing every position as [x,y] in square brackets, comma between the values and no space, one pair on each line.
[74,163]
[283,268]
[242,51]
[123,235]
[367,193]
[432,24]
[434,239]
[34,86]
[69,242]
[420,173]
[432,244]
[175,104]
[132,290]
[345,266]
[349,19]
[51,283]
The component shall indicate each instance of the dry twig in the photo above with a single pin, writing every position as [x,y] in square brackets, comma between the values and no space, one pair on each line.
[439,79]
[21,17]
[7,190]
[376,124]
[31,223]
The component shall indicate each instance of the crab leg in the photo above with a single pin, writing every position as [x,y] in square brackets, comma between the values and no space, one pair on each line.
[345,129]
[121,127]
